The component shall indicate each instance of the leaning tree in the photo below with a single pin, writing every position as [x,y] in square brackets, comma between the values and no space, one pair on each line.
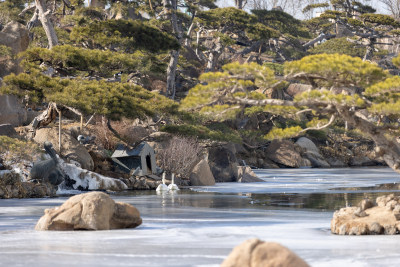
[343,87]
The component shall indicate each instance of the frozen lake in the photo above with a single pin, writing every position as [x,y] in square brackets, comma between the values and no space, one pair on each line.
[200,226]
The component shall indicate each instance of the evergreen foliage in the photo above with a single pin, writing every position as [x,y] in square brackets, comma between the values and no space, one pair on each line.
[339,46]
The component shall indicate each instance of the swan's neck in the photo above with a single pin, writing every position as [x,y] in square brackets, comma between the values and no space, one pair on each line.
[173,177]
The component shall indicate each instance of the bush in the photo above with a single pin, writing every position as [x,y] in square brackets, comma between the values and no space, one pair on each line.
[180,155]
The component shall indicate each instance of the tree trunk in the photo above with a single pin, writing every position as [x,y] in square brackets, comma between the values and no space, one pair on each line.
[239,4]
[44,17]
[170,8]
[214,56]
[97,3]
[171,74]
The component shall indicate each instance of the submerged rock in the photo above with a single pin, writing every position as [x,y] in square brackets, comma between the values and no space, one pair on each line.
[256,253]
[90,211]
[369,218]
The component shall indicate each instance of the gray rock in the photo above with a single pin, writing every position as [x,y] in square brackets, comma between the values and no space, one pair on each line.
[223,164]
[285,153]
[246,175]
[312,153]
[8,130]
[11,111]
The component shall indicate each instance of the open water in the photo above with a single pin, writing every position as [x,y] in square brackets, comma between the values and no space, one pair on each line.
[200,226]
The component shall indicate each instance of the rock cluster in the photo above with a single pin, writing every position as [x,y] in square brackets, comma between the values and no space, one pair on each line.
[369,218]
[11,186]
[90,211]
[256,253]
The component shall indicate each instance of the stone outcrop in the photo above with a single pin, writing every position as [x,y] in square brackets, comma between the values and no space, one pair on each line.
[246,175]
[71,149]
[286,153]
[8,130]
[312,153]
[90,211]
[201,174]
[12,112]
[16,36]
[369,218]
[256,253]
[223,164]
[11,186]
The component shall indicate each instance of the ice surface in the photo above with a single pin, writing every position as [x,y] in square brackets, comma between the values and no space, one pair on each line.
[308,181]
[189,228]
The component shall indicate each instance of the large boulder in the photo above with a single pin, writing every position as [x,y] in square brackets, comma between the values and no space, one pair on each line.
[8,130]
[16,36]
[71,149]
[246,175]
[11,111]
[90,211]
[256,253]
[312,153]
[223,164]
[369,218]
[286,153]
[201,174]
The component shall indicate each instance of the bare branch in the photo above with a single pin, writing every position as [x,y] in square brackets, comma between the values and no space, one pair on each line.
[333,117]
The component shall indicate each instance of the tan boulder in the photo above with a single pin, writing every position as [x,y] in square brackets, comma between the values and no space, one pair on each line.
[71,149]
[369,218]
[257,253]
[11,111]
[90,211]
[246,175]
[201,174]
[286,153]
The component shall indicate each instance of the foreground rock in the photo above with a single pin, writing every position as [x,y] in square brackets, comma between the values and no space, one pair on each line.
[256,253]
[90,211]
[382,217]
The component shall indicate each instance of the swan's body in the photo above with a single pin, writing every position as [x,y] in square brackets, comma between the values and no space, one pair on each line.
[173,186]
[162,187]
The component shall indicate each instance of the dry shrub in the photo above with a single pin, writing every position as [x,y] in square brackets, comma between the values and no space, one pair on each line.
[125,128]
[179,155]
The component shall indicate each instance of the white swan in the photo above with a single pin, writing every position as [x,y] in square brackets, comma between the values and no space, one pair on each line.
[173,186]
[163,186]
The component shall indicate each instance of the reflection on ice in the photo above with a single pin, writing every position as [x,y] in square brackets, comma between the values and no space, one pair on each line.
[189,228]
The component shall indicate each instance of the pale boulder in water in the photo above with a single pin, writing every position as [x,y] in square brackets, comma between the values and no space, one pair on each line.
[257,253]
[90,211]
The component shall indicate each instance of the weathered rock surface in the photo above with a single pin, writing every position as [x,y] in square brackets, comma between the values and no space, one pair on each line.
[369,218]
[285,153]
[312,153]
[256,253]
[16,36]
[223,164]
[246,175]
[11,186]
[11,111]
[90,211]
[8,130]
[201,174]
[71,149]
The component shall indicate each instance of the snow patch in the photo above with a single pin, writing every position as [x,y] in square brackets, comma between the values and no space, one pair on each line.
[90,180]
